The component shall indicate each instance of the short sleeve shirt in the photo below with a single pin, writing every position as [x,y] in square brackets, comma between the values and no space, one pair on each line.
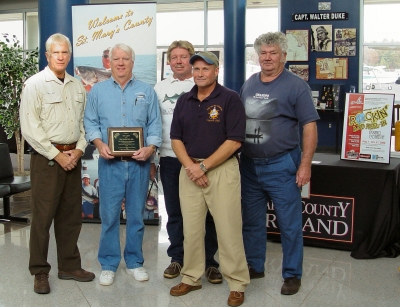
[203,126]
[274,111]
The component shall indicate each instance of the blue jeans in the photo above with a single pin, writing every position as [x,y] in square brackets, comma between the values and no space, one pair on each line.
[272,179]
[169,172]
[119,180]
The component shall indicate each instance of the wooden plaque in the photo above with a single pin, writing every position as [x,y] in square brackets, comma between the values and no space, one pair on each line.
[125,141]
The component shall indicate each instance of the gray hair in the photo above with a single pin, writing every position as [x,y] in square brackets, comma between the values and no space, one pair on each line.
[271,39]
[123,47]
[58,38]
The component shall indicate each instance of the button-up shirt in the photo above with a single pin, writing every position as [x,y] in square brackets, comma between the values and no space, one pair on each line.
[133,106]
[51,111]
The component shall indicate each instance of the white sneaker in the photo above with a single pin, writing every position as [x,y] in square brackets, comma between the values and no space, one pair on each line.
[107,278]
[140,274]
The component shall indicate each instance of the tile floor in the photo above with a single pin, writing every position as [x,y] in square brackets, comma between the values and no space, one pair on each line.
[331,277]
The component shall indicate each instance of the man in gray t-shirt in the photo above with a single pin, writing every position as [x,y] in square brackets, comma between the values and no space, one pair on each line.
[272,167]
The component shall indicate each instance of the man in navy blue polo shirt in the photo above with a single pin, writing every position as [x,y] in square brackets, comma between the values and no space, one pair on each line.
[207,131]
[168,91]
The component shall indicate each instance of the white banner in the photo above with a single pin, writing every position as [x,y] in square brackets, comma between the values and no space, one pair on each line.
[97,28]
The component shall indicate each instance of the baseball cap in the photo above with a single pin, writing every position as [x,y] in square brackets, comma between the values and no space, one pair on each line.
[207,56]
[85,176]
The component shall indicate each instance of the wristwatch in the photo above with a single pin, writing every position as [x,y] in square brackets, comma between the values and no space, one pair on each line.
[154,147]
[203,167]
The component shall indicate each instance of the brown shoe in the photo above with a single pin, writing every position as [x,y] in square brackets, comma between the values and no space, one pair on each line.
[213,275]
[235,298]
[290,286]
[78,275]
[183,289]
[41,283]
[173,270]
[253,274]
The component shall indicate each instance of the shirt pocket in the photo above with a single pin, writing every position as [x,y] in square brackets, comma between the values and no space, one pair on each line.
[140,107]
[79,99]
[53,110]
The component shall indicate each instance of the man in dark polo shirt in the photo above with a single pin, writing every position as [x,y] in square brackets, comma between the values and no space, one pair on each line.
[207,131]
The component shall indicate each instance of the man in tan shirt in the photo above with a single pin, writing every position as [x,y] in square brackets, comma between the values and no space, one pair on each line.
[51,112]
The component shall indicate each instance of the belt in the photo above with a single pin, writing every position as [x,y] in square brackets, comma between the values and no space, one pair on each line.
[198,160]
[124,159]
[64,147]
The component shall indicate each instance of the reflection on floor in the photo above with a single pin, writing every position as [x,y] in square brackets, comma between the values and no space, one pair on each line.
[331,277]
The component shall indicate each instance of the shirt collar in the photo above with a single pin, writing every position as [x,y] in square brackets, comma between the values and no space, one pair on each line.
[173,80]
[50,76]
[131,80]
[214,93]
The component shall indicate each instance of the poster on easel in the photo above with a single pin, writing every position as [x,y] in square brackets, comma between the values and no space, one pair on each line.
[96,29]
[367,127]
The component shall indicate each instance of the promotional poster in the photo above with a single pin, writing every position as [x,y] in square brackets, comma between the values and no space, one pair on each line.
[367,127]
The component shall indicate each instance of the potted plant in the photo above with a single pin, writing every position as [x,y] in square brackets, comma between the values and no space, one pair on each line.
[15,67]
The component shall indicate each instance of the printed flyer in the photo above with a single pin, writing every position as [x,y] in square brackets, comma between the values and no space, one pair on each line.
[367,127]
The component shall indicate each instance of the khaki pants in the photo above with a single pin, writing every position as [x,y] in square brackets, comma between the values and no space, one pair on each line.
[222,198]
[56,194]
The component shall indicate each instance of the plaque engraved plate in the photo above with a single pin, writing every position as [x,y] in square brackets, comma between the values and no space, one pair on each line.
[125,141]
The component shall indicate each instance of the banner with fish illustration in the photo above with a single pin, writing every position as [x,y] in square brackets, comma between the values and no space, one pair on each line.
[96,29]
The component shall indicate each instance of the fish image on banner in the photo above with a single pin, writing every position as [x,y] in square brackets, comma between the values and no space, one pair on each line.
[91,75]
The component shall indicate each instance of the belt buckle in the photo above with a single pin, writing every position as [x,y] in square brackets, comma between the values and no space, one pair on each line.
[197,160]
[124,159]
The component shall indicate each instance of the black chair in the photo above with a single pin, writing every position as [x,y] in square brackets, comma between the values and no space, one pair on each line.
[15,184]
[4,190]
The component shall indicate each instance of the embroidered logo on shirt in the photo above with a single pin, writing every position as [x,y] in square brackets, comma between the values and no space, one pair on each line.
[213,113]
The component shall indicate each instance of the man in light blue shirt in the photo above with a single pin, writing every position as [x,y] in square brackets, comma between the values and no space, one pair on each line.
[122,101]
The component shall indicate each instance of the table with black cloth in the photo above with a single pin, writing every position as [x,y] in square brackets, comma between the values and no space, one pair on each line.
[376,191]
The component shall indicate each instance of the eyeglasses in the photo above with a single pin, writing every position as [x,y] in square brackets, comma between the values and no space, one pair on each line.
[105,56]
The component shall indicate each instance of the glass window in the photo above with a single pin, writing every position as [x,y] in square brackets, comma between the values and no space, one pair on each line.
[252,65]
[215,27]
[377,18]
[259,21]
[32,30]
[180,26]
[12,25]
[189,25]
[381,62]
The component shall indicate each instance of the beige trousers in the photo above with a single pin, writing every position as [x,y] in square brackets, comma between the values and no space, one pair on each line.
[222,198]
